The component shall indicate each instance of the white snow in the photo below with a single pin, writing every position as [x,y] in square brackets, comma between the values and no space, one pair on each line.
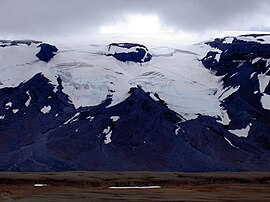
[265,38]
[225,119]
[15,111]
[87,75]
[228,91]
[162,51]
[8,105]
[46,109]
[233,75]
[108,138]
[115,118]
[265,100]
[40,185]
[247,38]
[255,60]
[108,132]
[2,117]
[264,81]
[153,97]
[267,62]
[242,132]
[177,130]
[217,58]
[142,187]
[230,143]
[185,86]
[29,99]
[90,118]
[252,75]
[165,51]
[228,40]
[72,119]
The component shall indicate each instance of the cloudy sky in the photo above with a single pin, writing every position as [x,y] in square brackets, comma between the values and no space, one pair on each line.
[45,19]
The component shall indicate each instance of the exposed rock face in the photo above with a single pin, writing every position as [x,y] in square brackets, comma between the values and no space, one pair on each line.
[47,52]
[245,67]
[129,52]
[101,137]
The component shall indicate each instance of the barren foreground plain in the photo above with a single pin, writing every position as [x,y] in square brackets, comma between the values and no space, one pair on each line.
[95,186]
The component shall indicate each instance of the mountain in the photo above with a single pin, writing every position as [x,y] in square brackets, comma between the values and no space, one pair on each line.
[128,107]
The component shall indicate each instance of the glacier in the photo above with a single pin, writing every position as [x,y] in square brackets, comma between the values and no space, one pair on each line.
[128,107]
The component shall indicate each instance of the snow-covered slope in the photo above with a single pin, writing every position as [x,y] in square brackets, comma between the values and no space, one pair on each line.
[203,107]
[89,76]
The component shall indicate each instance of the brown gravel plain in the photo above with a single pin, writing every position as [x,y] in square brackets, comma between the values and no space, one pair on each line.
[94,186]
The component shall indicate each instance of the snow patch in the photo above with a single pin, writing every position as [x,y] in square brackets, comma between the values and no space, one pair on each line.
[46,109]
[225,119]
[153,97]
[233,75]
[40,185]
[108,132]
[228,40]
[90,118]
[228,91]
[177,130]
[115,118]
[255,60]
[217,58]
[265,100]
[2,117]
[264,81]
[242,132]
[143,187]
[252,75]
[8,105]
[108,138]
[72,119]
[230,143]
[15,111]
[29,99]
[267,62]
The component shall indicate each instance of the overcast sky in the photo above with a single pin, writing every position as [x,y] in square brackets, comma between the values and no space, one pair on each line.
[70,18]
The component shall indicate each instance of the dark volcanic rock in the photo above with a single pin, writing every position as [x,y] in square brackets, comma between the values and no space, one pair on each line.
[47,52]
[240,64]
[129,52]
[4,43]
[137,134]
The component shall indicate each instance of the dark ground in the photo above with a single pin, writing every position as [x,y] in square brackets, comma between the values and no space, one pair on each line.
[94,186]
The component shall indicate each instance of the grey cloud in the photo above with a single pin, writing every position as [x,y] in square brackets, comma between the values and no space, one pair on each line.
[67,17]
